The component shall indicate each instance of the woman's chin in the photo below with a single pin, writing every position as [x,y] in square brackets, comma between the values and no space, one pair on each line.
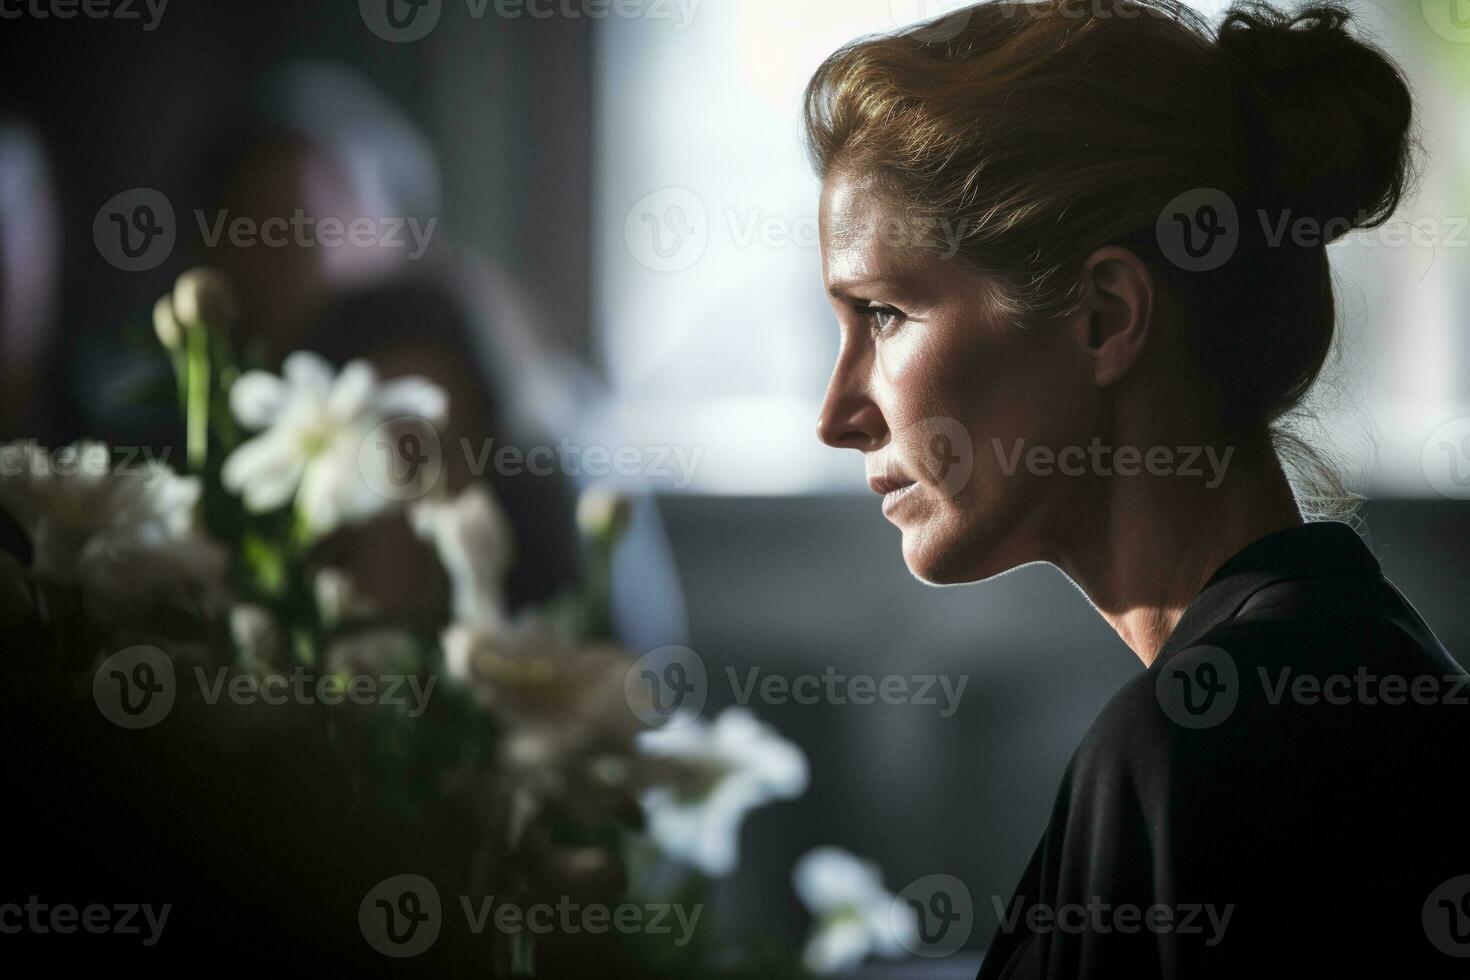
[934,562]
[948,558]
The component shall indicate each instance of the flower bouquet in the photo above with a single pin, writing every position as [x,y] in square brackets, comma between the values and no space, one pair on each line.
[490,767]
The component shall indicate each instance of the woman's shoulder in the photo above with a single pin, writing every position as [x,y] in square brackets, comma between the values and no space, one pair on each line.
[1295,714]
[1300,655]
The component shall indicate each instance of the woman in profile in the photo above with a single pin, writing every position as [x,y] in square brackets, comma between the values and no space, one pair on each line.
[1051,236]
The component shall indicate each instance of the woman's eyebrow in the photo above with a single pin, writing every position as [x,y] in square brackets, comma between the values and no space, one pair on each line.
[857,286]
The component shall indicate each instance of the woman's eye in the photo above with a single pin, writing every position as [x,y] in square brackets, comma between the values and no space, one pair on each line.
[885,319]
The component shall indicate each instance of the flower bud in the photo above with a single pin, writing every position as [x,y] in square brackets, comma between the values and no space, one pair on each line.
[166,325]
[204,298]
[602,514]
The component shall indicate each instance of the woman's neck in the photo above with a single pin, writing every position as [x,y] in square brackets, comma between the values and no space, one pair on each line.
[1145,548]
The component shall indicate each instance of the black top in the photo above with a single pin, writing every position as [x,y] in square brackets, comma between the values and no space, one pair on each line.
[1280,790]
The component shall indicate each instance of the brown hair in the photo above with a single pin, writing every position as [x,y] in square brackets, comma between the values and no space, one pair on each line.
[1039,132]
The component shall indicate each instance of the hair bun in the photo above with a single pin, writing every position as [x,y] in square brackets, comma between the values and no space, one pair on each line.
[1331,115]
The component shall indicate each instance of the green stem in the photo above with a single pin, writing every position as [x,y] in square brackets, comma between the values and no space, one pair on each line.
[523,955]
[180,361]
[197,342]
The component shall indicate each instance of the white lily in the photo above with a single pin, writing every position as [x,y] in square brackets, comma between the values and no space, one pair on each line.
[473,540]
[855,915]
[126,538]
[738,764]
[314,422]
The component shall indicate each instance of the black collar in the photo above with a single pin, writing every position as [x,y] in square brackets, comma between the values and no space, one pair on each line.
[1324,549]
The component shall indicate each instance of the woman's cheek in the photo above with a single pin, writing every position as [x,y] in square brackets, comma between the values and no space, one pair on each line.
[899,361]
[913,371]
[928,412]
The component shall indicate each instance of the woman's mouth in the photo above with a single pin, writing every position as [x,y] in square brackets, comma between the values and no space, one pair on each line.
[893,489]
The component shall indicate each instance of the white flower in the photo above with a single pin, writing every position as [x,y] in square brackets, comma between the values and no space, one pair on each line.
[473,540]
[128,539]
[736,765]
[856,916]
[532,676]
[314,424]
[566,733]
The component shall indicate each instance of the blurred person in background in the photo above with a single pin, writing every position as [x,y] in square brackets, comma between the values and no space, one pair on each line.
[315,139]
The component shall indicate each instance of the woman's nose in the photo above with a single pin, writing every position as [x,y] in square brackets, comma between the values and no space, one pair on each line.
[849,418]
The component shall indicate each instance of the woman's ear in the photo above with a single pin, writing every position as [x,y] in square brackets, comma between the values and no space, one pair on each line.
[1117,313]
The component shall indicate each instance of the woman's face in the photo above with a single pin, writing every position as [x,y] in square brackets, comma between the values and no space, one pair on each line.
[944,399]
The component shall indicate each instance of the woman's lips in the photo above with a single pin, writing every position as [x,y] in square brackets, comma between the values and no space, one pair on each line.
[888,484]
[893,489]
